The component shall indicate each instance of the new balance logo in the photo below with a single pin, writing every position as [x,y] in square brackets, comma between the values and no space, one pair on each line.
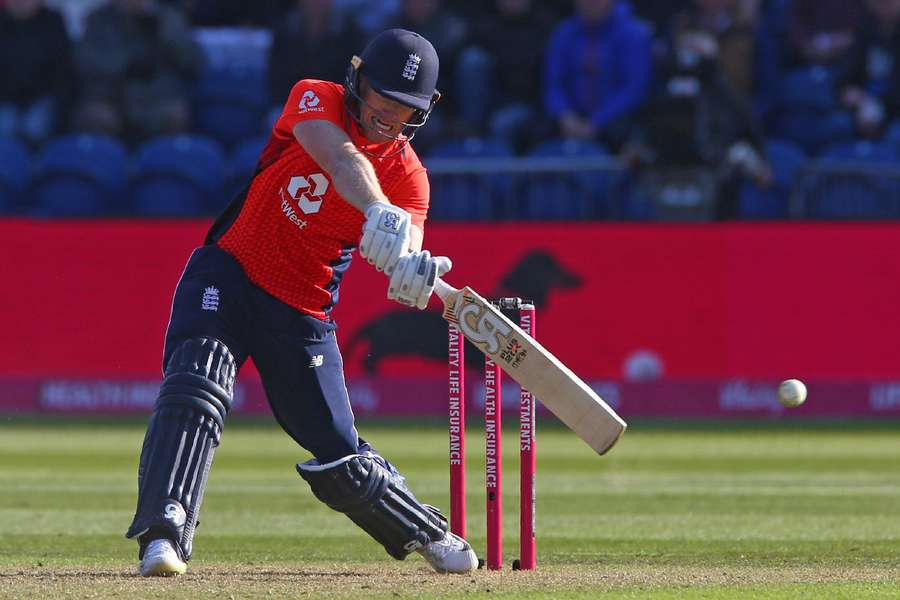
[412,67]
[317,361]
[412,545]
[210,299]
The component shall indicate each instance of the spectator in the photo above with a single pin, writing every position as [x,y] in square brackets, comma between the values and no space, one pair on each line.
[598,71]
[821,31]
[560,9]
[724,31]
[696,119]
[658,14]
[435,20]
[800,99]
[499,69]
[369,17]
[225,13]
[73,13]
[311,42]
[35,75]
[871,83]
[137,60]
[770,48]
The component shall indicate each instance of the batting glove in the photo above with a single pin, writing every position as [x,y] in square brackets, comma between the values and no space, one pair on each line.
[385,236]
[413,280]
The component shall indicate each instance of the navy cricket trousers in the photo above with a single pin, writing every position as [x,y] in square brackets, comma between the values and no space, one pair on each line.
[297,355]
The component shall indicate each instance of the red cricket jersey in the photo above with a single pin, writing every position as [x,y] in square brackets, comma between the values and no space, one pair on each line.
[292,232]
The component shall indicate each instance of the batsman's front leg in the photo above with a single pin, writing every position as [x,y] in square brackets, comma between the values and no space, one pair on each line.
[184,431]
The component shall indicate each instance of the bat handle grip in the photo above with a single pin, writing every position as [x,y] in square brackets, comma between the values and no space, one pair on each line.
[443,289]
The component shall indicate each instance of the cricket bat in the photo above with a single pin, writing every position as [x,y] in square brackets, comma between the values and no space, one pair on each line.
[532,366]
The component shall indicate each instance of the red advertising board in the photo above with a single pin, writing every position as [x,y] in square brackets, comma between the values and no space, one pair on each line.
[639,306]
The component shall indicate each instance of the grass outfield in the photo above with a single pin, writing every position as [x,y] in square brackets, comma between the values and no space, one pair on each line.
[752,511]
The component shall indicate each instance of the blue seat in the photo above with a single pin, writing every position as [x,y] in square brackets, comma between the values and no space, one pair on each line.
[242,164]
[786,159]
[230,104]
[468,197]
[810,88]
[15,174]
[573,195]
[862,150]
[814,130]
[892,134]
[178,176]
[80,176]
[836,191]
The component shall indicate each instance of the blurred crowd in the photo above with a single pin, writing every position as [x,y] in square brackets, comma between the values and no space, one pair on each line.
[666,85]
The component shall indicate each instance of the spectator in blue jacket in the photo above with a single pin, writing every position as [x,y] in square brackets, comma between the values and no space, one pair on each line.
[598,71]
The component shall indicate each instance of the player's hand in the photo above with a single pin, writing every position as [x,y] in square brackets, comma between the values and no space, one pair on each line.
[385,236]
[413,280]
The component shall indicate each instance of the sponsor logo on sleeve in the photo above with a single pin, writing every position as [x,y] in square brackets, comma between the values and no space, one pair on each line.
[309,102]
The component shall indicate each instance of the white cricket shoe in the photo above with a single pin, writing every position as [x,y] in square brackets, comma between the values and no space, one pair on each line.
[450,555]
[161,560]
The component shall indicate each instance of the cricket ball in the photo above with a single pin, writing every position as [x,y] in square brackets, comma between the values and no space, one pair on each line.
[792,393]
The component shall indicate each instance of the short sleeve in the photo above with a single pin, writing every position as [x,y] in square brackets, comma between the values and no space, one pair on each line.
[412,194]
[310,100]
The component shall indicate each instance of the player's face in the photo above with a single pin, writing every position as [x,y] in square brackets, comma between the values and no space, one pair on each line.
[382,117]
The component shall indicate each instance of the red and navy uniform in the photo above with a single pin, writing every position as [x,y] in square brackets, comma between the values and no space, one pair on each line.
[292,232]
[267,278]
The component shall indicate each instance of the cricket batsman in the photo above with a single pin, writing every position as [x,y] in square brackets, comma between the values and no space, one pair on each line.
[337,173]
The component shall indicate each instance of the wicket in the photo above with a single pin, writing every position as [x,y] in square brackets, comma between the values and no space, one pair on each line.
[493,379]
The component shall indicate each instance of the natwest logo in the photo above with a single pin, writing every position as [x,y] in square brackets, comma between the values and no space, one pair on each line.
[310,102]
[307,192]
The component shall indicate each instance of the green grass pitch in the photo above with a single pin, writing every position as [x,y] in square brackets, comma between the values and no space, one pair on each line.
[674,511]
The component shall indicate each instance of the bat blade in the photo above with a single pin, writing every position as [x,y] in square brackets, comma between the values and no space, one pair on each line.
[533,367]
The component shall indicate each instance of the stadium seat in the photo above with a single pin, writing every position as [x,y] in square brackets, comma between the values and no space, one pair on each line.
[814,130]
[468,197]
[862,150]
[839,191]
[785,159]
[811,88]
[15,174]
[573,195]
[242,164]
[892,134]
[808,109]
[80,176]
[231,104]
[178,176]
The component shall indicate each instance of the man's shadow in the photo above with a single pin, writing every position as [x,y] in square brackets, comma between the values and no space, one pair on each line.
[424,333]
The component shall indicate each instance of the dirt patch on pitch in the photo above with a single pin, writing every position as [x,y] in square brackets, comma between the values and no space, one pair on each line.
[405,581]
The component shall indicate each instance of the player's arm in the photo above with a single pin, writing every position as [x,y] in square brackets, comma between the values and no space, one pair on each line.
[416,237]
[386,233]
[351,172]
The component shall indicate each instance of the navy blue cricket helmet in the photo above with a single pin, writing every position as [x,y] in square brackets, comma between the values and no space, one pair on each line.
[400,65]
